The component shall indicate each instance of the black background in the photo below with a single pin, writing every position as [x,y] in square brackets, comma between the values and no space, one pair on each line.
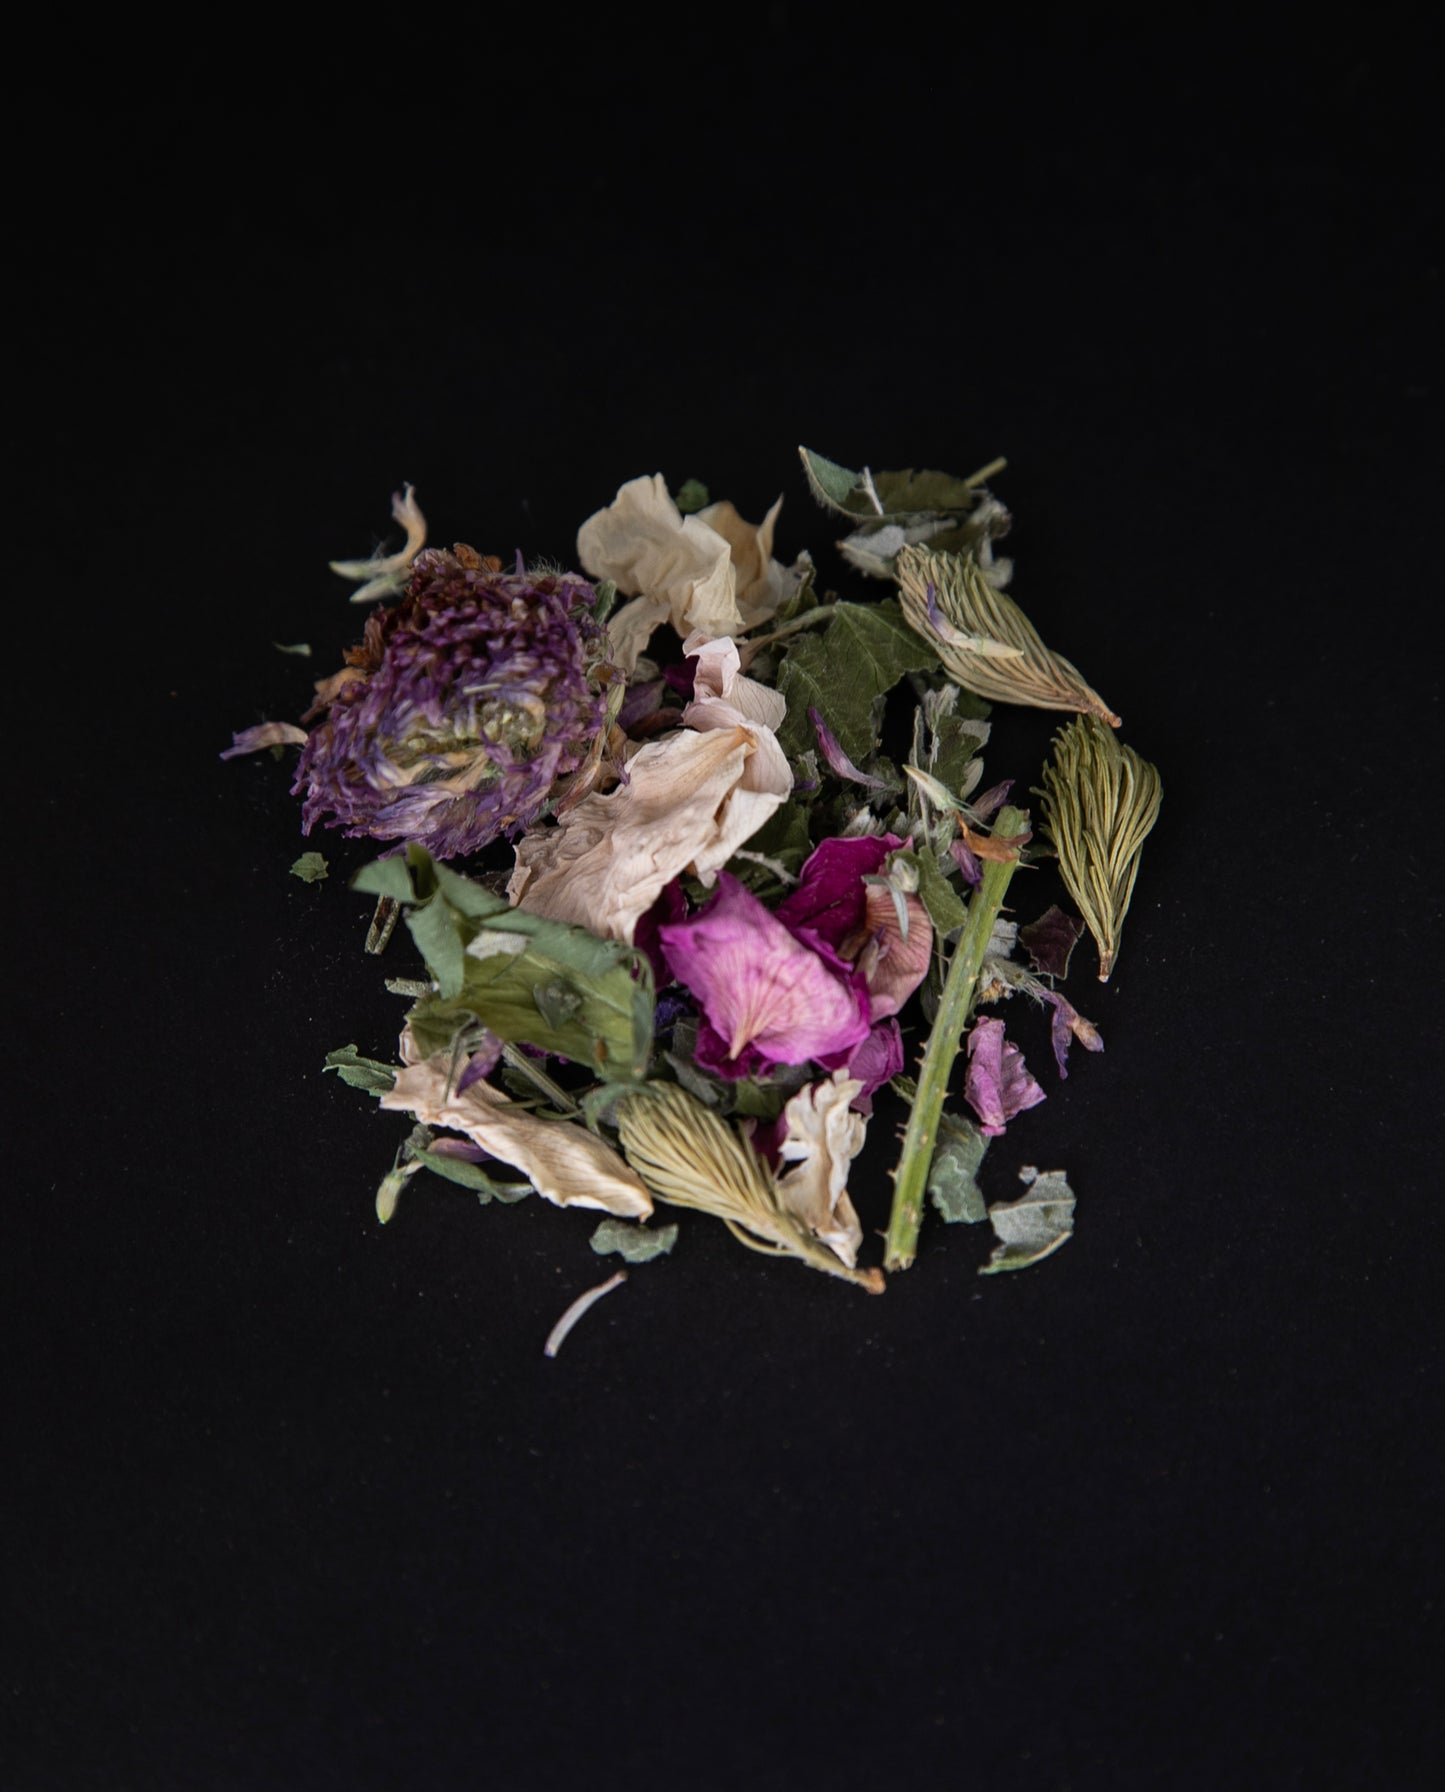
[296,1502]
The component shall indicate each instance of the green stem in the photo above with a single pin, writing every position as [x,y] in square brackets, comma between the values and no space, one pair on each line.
[910,1179]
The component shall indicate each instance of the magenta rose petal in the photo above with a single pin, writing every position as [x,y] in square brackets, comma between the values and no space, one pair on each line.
[759,986]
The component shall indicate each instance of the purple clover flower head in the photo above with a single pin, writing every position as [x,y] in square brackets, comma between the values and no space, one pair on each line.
[462,706]
[998,1084]
[767,996]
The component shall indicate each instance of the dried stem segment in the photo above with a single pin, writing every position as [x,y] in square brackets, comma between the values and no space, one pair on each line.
[984,639]
[688,1156]
[910,1179]
[1100,799]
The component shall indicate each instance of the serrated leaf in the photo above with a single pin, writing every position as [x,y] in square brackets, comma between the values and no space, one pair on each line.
[1034,1226]
[311,867]
[609,1024]
[903,496]
[952,1184]
[634,1244]
[358,1072]
[843,671]
[946,908]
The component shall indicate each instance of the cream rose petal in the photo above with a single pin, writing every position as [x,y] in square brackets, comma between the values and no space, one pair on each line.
[644,542]
[718,676]
[824,1136]
[566,1164]
[691,799]
[761,582]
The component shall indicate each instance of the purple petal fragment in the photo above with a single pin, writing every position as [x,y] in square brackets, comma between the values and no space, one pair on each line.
[838,761]
[998,1085]
[1067,1024]
[481,1064]
[873,1061]
[967,861]
[759,986]
[992,800]
[265,734]
[1050,940]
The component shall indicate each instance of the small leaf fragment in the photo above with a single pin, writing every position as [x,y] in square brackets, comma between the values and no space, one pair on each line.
[1034,1226]
[301,649]
[311,867]
[692,496]
[358,1072]
[634,1244]
[952,1185]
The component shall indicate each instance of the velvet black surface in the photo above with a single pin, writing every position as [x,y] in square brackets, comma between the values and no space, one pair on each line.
[297,1502]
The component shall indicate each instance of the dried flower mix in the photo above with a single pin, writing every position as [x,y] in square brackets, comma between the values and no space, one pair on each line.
[727,912]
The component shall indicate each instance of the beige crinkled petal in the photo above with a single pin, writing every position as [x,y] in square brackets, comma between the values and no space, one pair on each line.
[824,1136]
[565,1163]
[718,674]
[644,542]
[761,582]
[688,804]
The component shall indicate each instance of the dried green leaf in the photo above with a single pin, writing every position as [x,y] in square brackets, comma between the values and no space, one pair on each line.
[946,908]
[983,638]
[692,496]
[1034,1226]
[470,1176]
[301,649]
[311,867]
[360,1073]
[844,671]
[1100,801]
[952,1184]
[634,1244]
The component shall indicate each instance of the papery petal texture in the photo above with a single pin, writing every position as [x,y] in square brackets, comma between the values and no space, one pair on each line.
[830,901]
[823,1138]
[690,801]
[998,1085]
[567,1165]
[759,986]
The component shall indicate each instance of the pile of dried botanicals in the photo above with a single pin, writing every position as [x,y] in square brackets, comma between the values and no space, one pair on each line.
[724,911]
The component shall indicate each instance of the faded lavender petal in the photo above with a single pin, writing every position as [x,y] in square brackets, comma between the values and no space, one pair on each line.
[473,696]
[265,734]
[761,987]
[481,1064]
[988,805]
[838,761]
[1050,941]
[998,1085]
[967,861]
[1066,1024]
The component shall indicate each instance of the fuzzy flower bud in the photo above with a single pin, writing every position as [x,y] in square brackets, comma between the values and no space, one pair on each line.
[461,707]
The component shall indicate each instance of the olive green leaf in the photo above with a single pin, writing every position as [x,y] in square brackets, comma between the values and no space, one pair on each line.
[633,1243]
[1034,1226]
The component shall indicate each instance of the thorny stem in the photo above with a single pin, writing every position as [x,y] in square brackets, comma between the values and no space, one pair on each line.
[910,1179]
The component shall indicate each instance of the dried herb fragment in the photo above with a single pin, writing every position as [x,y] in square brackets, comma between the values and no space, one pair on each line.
[311,867]
[984,639]
[360,1073]
[688,1156]
[1034,1226]
[1100,800]
[952,1182]
[634,1244]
